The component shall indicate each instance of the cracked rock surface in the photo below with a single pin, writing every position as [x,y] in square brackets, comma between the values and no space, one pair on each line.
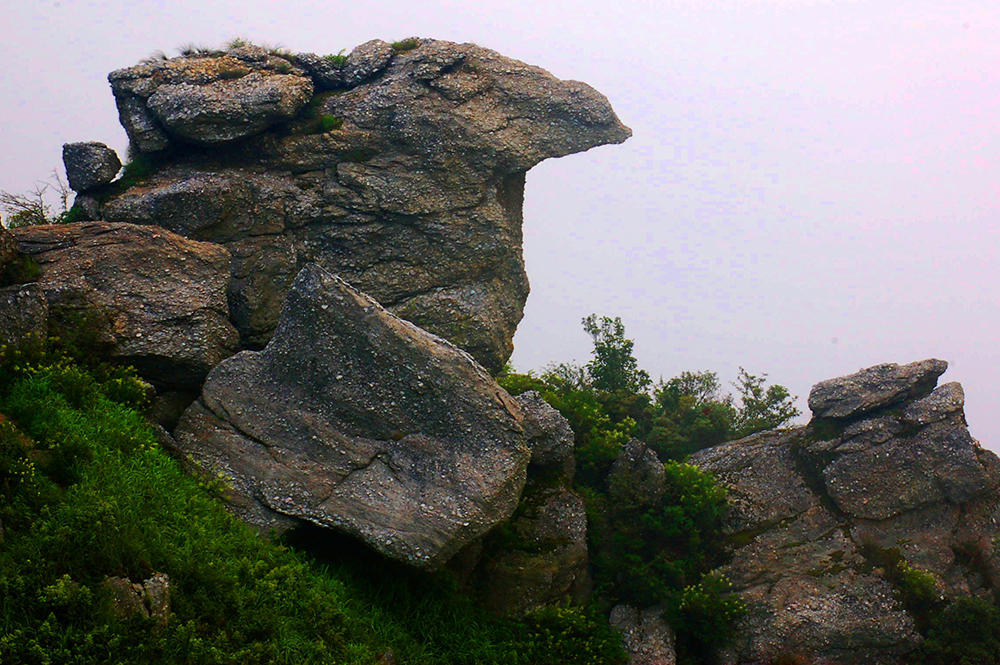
[820,512]
[157,299]
[407,180]
[354,419]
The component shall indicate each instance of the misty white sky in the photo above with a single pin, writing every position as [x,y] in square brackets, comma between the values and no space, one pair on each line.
[812,186]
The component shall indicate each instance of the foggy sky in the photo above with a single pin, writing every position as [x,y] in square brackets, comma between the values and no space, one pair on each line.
[811,187]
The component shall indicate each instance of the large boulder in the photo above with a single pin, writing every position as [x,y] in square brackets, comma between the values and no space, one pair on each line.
[157,299]
[208,99]
[408,185]
[354,419]
[647,638]
[823,514]
[89,165]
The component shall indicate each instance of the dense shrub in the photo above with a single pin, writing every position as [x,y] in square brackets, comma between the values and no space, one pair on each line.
[967,632]
[85,493]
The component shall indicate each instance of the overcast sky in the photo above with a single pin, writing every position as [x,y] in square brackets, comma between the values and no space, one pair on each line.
[812,187]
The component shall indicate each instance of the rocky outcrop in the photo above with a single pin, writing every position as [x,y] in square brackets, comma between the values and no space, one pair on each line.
[24,312]
[157,299]
[886,471]
[208,99]
[148,600]
[354,419]
[539,558]
[89,165]
[647,638]
[549,434]
[407,181]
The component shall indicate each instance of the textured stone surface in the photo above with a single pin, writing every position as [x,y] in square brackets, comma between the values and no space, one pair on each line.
[817,509]
[89,165]
[637,474]
[23,311]
[158,298]
[366,61]
[873,388]
[540,558]
[414,198]
[647,638]
[207,99]
[548,432]
[354,419]
[149,600]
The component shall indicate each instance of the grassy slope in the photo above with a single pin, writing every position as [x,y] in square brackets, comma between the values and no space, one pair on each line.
[85,492]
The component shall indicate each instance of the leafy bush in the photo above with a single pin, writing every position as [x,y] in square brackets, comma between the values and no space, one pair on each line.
[967,632]
[704,616]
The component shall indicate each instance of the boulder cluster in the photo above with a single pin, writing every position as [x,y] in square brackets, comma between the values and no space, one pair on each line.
[316,262]
[823,516]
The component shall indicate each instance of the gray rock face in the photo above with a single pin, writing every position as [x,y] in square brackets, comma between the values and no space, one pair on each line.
[873,388]
[326,73]
[208,100]
[89,165]
[149,600]
[549,433]
[647,638]
[159,299]
[24,311]
[354,419]
[365,61]
[541,558]
[816,510]
[409,185]
[637,474]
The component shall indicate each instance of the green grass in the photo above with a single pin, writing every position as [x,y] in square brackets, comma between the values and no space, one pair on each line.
[86,492]
[404,45]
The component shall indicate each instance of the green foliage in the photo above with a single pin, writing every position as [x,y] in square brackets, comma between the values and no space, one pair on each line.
[656,550]
[34,207]
[21,270]
[404,45]
[328,123]
[556,636]
[613,367]
[967,632]
[704,616]
[761,408]
[338,59]
[85,493]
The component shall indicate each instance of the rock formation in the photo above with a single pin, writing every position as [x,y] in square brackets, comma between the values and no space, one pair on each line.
[405,176]
[157,299]
[886,471]
[89,165]
[355,419]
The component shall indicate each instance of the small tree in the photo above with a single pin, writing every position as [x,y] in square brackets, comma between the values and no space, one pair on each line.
[34,208]
[613,368]
[761,408]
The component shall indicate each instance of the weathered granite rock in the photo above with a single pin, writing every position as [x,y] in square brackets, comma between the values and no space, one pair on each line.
[326,71]
[24,311]
[208,99]
[354,419]
[366,61]
[89,165]
[409,185]
[819,510]
[159,299]
[540,558]
[647,638]
[636,475]
[548,432]
[149,600]
[873,388]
